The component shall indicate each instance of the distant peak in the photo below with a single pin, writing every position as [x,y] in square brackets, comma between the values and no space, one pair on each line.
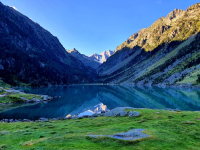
[74,50]
[175,13]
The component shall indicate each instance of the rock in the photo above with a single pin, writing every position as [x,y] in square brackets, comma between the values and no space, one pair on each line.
[11,120]
[25,99]
[86,113]
[4,132]
[122,114]
[133,113]
[45,97]
[26,120]
[6,120]
[12,91]
[36,100]
[130,135]
[43,119]
[119,111]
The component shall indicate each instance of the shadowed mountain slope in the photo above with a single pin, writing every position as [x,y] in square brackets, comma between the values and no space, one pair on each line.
[87,61]
[30,54]
[166,53]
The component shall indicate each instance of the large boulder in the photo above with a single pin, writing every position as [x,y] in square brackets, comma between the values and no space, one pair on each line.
[120,111]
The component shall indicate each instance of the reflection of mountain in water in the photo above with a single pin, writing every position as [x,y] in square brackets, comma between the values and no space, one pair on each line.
[79,98]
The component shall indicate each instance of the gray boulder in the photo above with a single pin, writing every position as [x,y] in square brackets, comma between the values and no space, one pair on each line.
[36,100]
[133,113]
[130,135]
[43,119]
[4,132]
[119,111]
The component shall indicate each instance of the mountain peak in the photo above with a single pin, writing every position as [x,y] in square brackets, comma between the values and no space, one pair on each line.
[175,13]
[74,50]
[193,7]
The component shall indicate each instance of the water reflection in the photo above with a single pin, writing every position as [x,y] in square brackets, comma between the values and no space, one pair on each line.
[78,98]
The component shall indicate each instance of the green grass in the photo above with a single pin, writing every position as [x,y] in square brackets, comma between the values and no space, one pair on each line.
[16,98]
[192,78]
[167,130]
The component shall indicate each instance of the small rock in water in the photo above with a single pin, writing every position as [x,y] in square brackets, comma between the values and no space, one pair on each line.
[36,100]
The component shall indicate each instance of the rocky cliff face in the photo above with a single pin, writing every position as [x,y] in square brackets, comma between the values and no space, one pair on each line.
[166,53]
[87,61]
[31,54]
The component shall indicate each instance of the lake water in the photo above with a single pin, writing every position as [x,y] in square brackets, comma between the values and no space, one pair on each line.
[78,98]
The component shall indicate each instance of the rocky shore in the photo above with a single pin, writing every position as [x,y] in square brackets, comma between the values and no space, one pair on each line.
[116,112]
[9,96]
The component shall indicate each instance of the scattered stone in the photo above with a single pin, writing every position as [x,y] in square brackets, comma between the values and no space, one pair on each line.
[25,99]
[36,100]
[4,132]
[157,112]
[187,121]
[86,113]
[133,113]
[11,120]
[124,113]
[26,120]
[120,111]
[12,91]
[43,119]
[130,135]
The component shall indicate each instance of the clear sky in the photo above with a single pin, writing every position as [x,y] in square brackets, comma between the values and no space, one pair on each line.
[93,26]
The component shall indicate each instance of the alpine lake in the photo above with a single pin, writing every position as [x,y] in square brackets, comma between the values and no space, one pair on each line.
[75,99]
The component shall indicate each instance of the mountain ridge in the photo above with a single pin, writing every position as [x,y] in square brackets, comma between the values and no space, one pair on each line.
[32,55]
[144,57]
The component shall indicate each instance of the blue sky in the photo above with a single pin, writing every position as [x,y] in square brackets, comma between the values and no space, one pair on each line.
[93,26]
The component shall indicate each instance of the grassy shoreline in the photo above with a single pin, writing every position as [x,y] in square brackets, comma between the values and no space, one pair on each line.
[167,130]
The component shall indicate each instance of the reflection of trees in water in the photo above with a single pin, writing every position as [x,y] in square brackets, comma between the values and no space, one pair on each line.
[77,97]
[155,97]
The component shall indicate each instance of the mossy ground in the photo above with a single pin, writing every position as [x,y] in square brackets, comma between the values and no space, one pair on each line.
[16,98]
[168,130]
